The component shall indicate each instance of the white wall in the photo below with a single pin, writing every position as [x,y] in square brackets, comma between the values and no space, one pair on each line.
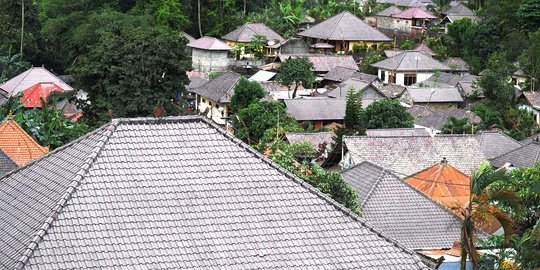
[205,61]
[216,113]
[400,76]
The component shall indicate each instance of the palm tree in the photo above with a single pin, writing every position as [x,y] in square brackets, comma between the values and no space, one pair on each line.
[482,209]
[440,6]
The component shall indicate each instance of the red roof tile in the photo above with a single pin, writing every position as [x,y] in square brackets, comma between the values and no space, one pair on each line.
[18,145]
[32,96]
[414,13]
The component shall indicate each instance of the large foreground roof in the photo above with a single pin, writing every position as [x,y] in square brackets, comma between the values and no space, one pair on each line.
[177,193]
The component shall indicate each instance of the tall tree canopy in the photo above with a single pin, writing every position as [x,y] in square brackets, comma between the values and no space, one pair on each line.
[297,71]
[245,93]
[386,113]
[130,63]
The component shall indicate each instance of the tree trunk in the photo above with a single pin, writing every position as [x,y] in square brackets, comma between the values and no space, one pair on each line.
[245,7]
[294,92]
[199,16]
[22,27]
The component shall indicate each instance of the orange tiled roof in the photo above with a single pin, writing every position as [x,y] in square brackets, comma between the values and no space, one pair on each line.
[17,144]
[443,183]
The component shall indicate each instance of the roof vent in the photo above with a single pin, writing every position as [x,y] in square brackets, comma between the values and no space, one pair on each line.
[444,161]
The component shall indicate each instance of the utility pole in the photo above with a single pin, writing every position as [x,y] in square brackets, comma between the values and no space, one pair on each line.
[22,26]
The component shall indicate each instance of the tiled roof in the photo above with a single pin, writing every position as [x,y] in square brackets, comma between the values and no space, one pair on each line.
[434,95]
[210,44]
[418,111]
[315,139]
[390,90]
[456,63]
[411,61]
[461,10]
[219,89]
[316,109]
[32,96]
[17,144]
[344,26]
[406,155]
[178,193]
[397,132]
[389,11]
[425,49]
[533,98]
[342,89]
[31,77]
[324,63]
[6,163]
[438,119]
[453,18]
[452,79]
[414,13]
[444,183]
[496,143]
[248,31]
[339,73]
[401,211]
[407,3]
[525,156]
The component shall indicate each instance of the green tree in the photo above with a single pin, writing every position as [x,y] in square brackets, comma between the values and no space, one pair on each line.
[440,6]
[483,208]
[11,65]
[11,27]
[458,125]
[132,64]
[256,46]
[297,71]
[496,83]
[530,61]
[245,92]
[166,12]
[385,113]
[529,13]
[354,121]
[251,123]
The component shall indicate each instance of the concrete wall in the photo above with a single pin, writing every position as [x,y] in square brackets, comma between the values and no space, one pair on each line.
[203,60]
[385,22]
[400,76]
[217,112]
[295,46]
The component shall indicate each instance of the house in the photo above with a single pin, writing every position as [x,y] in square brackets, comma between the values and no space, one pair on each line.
[289,46]
[532,104]
[323,64]
[340,74]
[209,54]
[213,97]
[262,76]
[432,98]
[7,164]
[345,31]
[518,77]
[384,19]
[412,20]
[443,183]
[35,84]
[457,12]
[406,155]
[435,120]
[408,67]
[369,92]
[424,4]
[401,211]
[17,144]
[457,64]
[466,84]
[245,34]
[495,143]
[178,192]
[525,156]
[390,90]
[319,111]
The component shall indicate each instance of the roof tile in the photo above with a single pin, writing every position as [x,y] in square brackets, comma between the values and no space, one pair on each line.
[17,144]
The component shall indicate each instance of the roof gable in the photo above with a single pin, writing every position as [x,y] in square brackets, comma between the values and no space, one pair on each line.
[324,63]
[522,157]
[411,61]
[248,31]
[344,26]
[6,163]
[180,192]
[209,44]
[425,49]
[401,211]
[438,119]
[31,77]
[434,95]
[32,96]
[17,144]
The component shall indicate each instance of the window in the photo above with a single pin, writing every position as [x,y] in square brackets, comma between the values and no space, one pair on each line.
[514,81]
[383,75]
[409,79]
[392,78]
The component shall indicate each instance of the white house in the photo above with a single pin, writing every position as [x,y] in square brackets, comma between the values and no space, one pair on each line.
[408,67]
[209,54]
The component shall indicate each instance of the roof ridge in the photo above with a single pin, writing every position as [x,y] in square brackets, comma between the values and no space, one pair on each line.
[27,138]
[313,190]
[340,17]
[379,178]
[71,189]
[22,79]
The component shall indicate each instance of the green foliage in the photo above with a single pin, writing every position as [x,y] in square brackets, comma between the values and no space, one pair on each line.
[372,56]
[252,122]
[331,183]
[456,125]
[386,113]
[245,93]
[529,13]
[297,71]
[517,123]
[496,83]
[256,46]
[407,44]
[530,61]
[354,122]
[10,29]
[220,17]
[131,63]
[11,65]
[165,12]
[47,125]
[440,6]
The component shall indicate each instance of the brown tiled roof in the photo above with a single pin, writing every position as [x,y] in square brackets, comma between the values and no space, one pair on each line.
[17,144]
[411,61]
[324,63]
[248,31]
[209,44]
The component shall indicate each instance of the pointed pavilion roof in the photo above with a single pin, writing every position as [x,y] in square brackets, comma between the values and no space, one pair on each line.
[248,31]
[415,13]
[17,144]
[32,96]
[425,49]
[443,183]
[344,26]
[209,44]
[29,78]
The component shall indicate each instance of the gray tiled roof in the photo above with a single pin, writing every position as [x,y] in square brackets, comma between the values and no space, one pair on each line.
[6,163]
[525,156]
[411,61]
[456,63]
[389,11]
[438,119]
[390,90]
[400,210]
[434,95]
[407,155]
[452,79]
[314,139]
[324,63]
[344,26]
[461,10]
[496,143]
[175,193]
[219,89]
[248,31]
[342,89]
[339,74]
[533,98]
[400,132]
[316,109]
[29,78]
